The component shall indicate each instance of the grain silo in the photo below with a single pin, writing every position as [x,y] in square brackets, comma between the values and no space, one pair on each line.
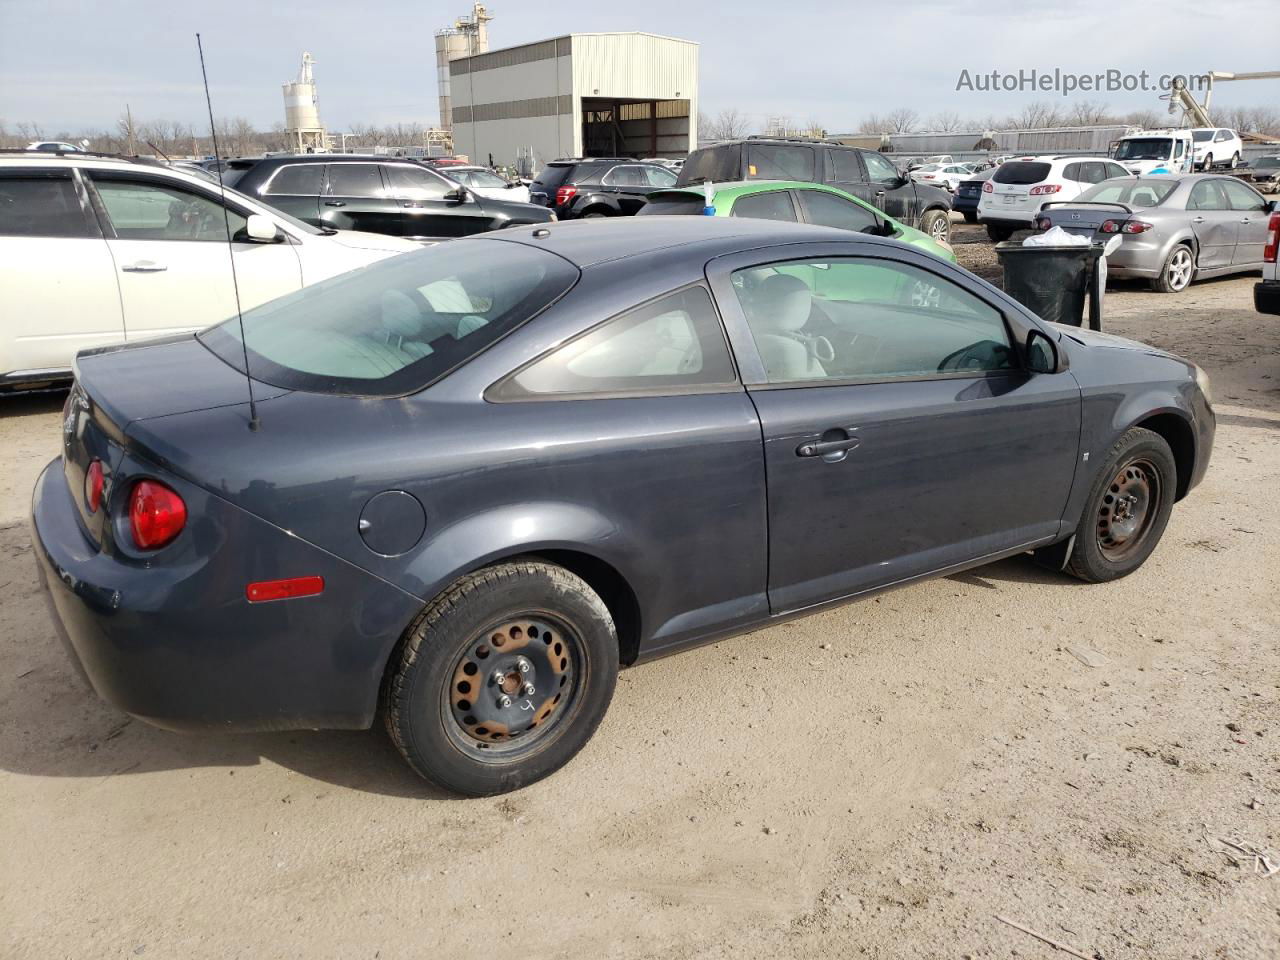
[302,112]
[468,36]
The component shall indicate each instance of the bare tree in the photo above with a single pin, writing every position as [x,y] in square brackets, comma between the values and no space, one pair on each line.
[1084,113]
[1035,115]
[1144,118]
[728,124]
[902,120]
[947,121]
[873,124]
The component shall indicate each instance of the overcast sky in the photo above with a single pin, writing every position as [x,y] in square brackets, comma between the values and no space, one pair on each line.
[74,65]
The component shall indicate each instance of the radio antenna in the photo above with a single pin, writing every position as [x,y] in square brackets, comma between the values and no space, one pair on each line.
[231,250]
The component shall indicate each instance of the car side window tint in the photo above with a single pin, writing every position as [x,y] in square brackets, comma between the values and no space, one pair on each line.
[43,207]
[412,183]
[774,205]
[659,176]
[1207,195]
[296,180]
[626,175]
[1241,197]
[779,162]
[671,344]
[865,319]
[1223,135]
[141,210]
[879,169]
[1073,171]
[845,167]
[829,210]
[355,180]
[1115,170]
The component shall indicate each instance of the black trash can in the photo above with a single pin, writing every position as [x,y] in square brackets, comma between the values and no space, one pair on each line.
[1053,282]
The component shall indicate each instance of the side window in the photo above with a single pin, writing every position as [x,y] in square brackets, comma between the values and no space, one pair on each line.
[779,162]
[147,210]
[296,180]
[1073,171]
[868,320]
[1115,170]
[43,207]
[626,175]
[1223,135]
[845,167]
[673,343]
[1207,195]
[1242,198]
[879,169]
[659,176]
[828,210]
[774,205]
[413,183]
[354,180]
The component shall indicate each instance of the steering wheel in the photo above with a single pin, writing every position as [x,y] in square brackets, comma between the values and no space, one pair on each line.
[983,355]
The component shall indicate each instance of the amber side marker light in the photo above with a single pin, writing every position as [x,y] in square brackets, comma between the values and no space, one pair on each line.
[265,590]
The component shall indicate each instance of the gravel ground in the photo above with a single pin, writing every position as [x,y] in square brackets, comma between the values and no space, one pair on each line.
[878,780]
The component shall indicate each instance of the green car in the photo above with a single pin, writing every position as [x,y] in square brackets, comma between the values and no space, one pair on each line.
[792,201]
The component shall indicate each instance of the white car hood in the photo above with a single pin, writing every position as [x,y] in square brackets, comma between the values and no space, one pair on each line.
[361,240]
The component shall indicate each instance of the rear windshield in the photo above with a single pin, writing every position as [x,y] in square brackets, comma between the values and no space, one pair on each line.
[712,163]
[1021,172]
[672,203]
[1137,193]
[553,174]
[398,325]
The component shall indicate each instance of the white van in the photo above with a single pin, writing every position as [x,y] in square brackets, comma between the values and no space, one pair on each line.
[1143,153]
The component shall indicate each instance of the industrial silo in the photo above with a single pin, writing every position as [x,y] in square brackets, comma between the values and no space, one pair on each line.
[302,112]
[450,43]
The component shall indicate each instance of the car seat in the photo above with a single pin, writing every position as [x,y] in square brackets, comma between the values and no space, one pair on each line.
[777,310]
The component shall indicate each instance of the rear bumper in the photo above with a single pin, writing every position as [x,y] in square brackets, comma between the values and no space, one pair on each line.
[174,642]
[1266,297]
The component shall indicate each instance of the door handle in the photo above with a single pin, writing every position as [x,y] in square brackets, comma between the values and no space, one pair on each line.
[1197,219]
[822,448]
[144,266]
[1246,220]
[335,203]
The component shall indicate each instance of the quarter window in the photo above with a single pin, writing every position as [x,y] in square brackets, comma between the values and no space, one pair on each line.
[867,320]
[672,344]
[354,180]
[297,180]
[153,211]
[42,207]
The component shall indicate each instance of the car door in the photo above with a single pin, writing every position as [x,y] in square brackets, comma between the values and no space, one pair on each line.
[58,291]
[295,188]
[168,242]
[1214,223]
[886,189]
[356,198]
[902,434]
[1253,215]
[433,207]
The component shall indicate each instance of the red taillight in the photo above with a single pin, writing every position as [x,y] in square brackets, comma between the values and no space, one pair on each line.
[265,590]
[1045,188]
[1044,223]
[565,194]
[1273,239]
[156,514]
[1135,226]
[988,188]
[1110,226]
[93,483]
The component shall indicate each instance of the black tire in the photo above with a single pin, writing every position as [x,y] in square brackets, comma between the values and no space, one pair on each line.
[452,635]
[1177,272]
[595,215]
[937,224]
[999,234]
[970,217]
[1235,161]
[1208,162]
[1097,555]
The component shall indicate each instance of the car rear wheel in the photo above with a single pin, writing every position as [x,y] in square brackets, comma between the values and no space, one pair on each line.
[1179,267]
[594,215]
[502,679]
[1208,161]
[937,224]
[1127,510]
[970,217]
[999,234]
[1235,160]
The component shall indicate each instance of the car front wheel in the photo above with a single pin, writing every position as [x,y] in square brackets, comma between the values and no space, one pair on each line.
[502,679]
[1127,510]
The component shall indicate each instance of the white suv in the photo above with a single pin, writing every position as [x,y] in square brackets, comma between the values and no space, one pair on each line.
[1266,293]
[1215,146]
[101,249]
[1014,194]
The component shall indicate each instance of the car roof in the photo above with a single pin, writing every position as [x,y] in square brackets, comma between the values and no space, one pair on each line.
[586,243]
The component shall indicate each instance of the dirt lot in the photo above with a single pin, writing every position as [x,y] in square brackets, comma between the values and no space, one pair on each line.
[880,780]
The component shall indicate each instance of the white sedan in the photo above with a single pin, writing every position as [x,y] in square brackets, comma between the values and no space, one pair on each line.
[485,182]
[98,250]
[947,175]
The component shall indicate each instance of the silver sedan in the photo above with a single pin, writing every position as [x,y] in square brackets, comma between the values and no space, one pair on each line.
[1174,228]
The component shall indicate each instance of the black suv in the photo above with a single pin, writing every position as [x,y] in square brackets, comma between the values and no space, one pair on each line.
[866,174]
[388,195]
[598,186]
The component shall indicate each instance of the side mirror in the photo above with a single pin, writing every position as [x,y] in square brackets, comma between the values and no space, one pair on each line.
[261,229]
[1042,353]
[457,195]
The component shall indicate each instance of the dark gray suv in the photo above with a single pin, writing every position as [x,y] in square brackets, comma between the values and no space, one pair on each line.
[866,174]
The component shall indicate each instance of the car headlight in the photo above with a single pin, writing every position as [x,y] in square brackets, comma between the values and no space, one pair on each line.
[1202,381]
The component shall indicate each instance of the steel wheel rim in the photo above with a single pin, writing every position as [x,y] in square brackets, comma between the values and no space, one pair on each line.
[1180,269]
[1128,509]
[488,709]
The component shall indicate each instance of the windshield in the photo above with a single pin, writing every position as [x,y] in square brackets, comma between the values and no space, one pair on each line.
[1136,193]
[398,325]
[1146,148]
[1266,163]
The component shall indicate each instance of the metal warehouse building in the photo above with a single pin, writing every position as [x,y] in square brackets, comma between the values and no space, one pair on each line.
[582,95]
